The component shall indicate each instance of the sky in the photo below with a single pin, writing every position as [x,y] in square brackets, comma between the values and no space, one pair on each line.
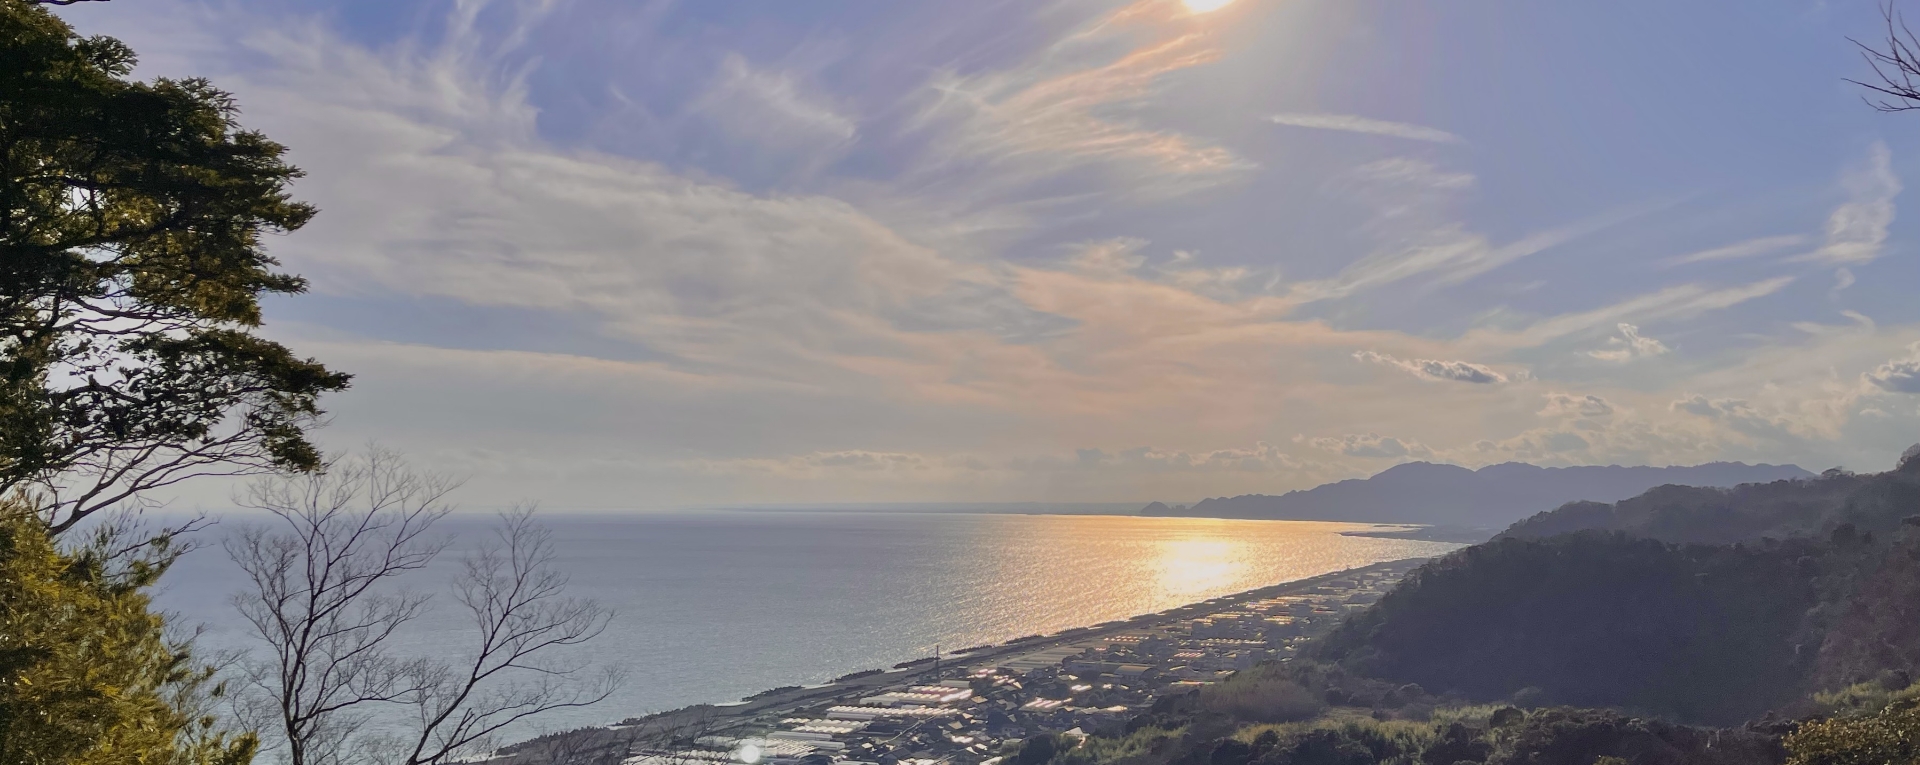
[640,253]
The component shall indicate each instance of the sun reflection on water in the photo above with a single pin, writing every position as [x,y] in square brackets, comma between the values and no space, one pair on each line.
[1192,565]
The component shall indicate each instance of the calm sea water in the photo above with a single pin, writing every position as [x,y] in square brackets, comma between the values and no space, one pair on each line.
[714,606]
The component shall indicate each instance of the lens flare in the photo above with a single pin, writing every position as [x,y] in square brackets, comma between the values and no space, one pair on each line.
[1204,6]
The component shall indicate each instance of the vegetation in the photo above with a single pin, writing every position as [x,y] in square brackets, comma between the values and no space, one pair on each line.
[320,598]
[1706,634]
[1449,736]
[131,268]
[1891,735]
[1262,697]
[132,217]
[87,674]
[1871,504]
[1703,605]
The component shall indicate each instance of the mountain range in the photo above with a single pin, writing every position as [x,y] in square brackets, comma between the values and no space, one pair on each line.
[1490,497]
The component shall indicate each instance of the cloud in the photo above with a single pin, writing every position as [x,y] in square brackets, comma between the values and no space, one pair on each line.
[1575,405]
[1431,369]
[1898,375]
[1857,229]
[1630,345]
[1061,109]
[1112,257]
[1677,302]
[822,464]
[1262,457]
[772,100]
[1842,279]
[1746,249]
[1445,255]
[758,120]
[1352,124]
[1542,446]
[1371,445]
[1421,239]
[1743,417]
[1412,172]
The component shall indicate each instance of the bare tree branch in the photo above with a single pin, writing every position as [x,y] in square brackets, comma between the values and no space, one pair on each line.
[1896,64]
[524,621]
[319,596]
[322,597]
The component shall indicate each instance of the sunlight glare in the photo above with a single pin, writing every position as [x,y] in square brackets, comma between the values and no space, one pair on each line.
[1195,565]
[1204,6]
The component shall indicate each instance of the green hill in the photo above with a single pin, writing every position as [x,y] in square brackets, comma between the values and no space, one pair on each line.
[1697,604]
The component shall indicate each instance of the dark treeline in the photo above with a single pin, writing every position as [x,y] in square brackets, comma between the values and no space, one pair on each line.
[1704,634]
[1705,605]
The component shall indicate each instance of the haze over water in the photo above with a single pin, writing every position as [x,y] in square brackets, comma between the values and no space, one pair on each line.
[714,606]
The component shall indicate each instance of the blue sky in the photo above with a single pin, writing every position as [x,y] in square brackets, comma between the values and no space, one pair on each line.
[613,254]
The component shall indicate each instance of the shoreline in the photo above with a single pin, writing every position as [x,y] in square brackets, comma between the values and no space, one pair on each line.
[1465,535]
[710,717]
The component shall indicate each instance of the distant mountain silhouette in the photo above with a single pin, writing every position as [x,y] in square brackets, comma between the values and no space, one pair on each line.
[1491,497]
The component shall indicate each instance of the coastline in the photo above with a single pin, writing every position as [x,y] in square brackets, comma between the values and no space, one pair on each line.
[711,719]
[1465,535]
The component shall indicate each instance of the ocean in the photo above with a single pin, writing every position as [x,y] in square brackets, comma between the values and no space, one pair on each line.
[714,606]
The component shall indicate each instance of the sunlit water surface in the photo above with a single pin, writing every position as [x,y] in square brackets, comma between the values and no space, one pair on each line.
[714,606]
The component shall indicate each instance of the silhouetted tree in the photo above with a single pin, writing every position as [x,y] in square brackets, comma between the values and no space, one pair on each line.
[321,596]
[132,216]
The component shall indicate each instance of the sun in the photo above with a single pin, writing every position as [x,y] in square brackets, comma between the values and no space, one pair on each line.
[1204,6]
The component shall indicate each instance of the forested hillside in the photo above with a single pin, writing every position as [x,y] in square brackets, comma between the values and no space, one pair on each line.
[1701,634]
[1700,604]
[1781,509]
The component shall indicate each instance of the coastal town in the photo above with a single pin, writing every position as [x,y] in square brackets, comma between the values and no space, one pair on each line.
[964,708]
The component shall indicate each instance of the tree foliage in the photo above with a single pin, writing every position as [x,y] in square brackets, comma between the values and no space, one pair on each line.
[1707,634]
[87,674]
[1453,736]
[1889,736]
[132,219]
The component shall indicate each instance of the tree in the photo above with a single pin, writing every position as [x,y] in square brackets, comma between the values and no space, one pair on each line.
[1896,64]
[322,596]
[87,675]
[1888,736]
[132,217]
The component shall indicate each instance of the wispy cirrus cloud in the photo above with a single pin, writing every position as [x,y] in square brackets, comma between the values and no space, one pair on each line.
[1679,301]
[1061,109]
[1422,237]
[1746,249]
[1348,123]
[1444,255]
[1857,229]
